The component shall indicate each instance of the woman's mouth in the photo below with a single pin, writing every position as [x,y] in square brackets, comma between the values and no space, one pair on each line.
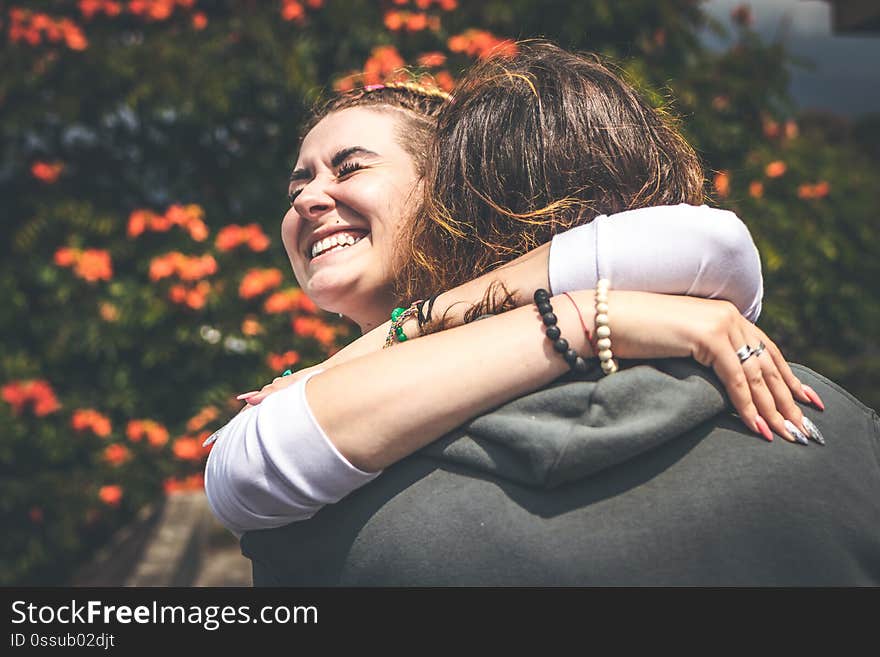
[336,242]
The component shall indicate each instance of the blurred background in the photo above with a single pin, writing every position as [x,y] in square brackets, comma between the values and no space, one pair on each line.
[146,146]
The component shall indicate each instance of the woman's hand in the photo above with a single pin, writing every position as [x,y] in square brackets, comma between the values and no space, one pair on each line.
[278,383]
[761,387]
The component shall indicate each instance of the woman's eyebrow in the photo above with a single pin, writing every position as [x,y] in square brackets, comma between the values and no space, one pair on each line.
[345,153]
[338,158]
[300,174]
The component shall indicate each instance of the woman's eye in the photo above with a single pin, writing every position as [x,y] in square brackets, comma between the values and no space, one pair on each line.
[348,168]
[292,194]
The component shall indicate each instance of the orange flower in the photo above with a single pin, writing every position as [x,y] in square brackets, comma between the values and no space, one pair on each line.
[44,398]
[432,59]
[47,172]
[89,8]
[289,301]
[36,392]
[258,281]
[251,327]
[73,36]
[202,418]
[775,169]
[110,495]
[393,20]
[186,268]
[819,190]
[197,297]
[722,184]
[189,217]
[177,293]
[292,10]
[36,515]
[445,80]
[383,61]
[157,435]
[199,20]
[88,418]
[257,240]
[279,362]
[229,237]
[194,268]
[188,449]
[192,482]
[65,257]
[138,221]
[482,44]
[314,327]
[447,5]
[791,129]
[94,265]
[756,189]
[116,454]
[163,266]
[416,22]
[108,311]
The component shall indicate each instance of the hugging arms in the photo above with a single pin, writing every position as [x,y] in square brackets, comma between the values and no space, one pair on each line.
[310,443]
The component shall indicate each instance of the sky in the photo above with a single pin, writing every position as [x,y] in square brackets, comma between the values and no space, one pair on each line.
[845,77]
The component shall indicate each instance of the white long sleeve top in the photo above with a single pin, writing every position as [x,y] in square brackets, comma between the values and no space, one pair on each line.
[273,464]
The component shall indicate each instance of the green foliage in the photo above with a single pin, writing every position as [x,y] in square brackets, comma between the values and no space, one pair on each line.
[156,112]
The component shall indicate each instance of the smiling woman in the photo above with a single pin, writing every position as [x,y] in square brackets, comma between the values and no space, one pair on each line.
[342,230]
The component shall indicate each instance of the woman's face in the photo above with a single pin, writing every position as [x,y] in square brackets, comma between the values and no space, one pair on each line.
[351,191]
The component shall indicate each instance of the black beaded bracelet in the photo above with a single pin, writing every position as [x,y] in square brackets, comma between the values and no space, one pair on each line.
[560,344]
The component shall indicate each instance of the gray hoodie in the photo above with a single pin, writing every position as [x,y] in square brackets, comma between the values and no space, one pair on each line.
[640,478]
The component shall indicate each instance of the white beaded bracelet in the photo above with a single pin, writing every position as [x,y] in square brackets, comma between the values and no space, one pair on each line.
[603,330]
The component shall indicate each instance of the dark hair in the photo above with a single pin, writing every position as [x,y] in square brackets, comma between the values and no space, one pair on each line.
[532,145]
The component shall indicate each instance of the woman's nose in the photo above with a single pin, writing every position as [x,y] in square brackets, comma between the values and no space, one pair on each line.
[313,201]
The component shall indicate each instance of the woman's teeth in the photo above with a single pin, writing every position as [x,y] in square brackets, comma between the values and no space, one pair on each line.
[335,242]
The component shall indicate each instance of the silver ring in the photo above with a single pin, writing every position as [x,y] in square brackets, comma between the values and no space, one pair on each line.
[760,349]
[744,353]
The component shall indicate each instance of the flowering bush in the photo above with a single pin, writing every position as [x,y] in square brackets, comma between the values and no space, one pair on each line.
[143,280]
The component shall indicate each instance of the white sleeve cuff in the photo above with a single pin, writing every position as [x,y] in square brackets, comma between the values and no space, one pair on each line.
[273,464]
[573,262]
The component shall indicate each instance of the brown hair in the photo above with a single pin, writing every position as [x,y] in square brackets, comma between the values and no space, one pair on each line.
[530,146]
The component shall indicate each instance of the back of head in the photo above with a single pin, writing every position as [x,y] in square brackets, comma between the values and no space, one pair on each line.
[531,145]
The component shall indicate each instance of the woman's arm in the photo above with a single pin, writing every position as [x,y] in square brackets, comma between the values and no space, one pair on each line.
[376,409]
[677,249]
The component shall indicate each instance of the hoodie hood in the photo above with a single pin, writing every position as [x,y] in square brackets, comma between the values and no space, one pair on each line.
[579,427]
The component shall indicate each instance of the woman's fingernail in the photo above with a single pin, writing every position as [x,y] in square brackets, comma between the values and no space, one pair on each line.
[247,394]
[813,430]
[817,401]
[797,433]
[764,429]
[213,437]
